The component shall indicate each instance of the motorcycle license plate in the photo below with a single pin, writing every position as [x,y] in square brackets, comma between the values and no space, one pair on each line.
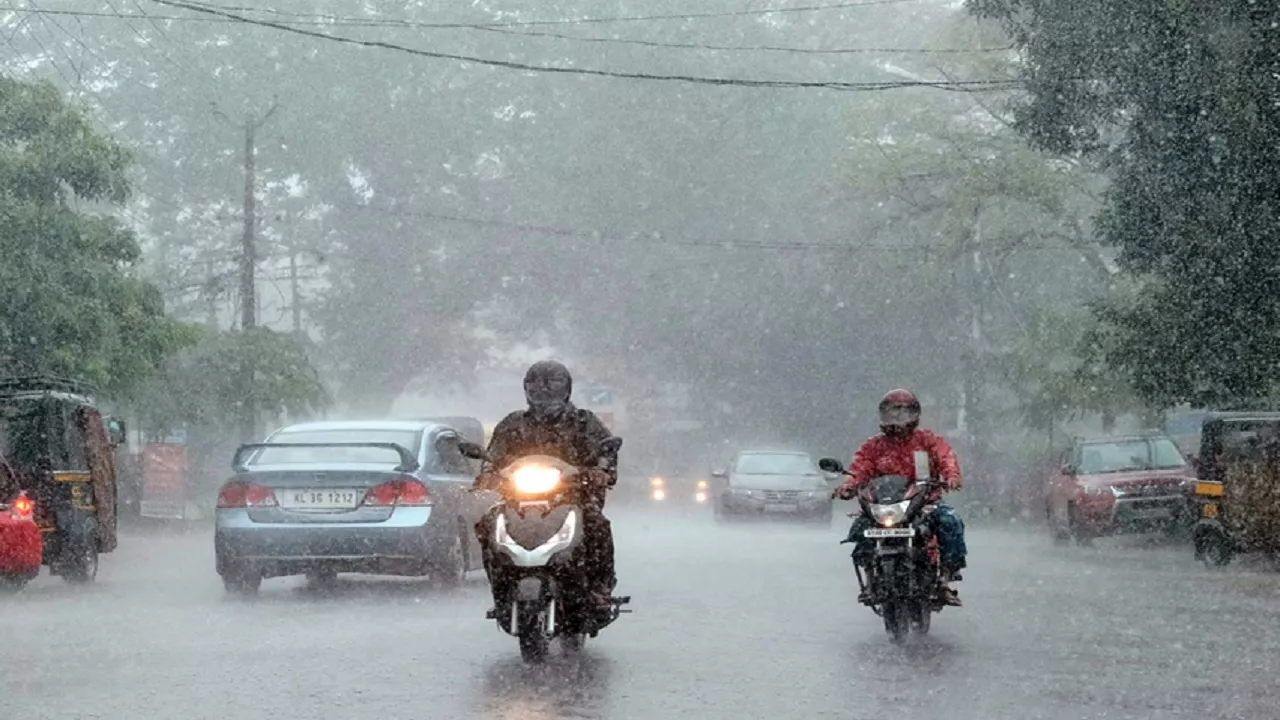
[890,532]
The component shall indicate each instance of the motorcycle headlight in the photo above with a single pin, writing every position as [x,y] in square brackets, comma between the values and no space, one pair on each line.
[890,515]
[700,496]
[535,479]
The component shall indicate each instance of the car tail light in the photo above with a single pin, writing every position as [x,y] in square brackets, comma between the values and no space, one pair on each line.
[239,494]
[401,491]
[23,506]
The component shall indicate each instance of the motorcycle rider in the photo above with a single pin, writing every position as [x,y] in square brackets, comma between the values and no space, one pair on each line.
[893,452]
[553,426]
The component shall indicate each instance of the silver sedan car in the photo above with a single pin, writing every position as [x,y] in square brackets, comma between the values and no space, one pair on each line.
[380,497]
[775,484]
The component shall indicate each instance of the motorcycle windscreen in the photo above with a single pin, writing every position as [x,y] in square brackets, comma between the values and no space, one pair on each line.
[889,489]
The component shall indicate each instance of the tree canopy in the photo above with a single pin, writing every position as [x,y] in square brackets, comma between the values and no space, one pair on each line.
[73,302]
[1178,102]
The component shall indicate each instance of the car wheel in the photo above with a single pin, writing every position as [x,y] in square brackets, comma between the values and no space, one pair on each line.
[450,570]
[322,578]
[1081,536]
[12,583]
[242,582]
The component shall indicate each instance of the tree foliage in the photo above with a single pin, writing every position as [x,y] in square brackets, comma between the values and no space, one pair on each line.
[1178,99]
[201,386]
[73,304]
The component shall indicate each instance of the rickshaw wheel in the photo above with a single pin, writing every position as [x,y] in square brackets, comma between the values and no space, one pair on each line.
[1216,551]
[83,567]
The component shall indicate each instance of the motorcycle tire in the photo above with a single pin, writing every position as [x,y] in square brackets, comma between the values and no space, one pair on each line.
[897,620]
[532,634]
[922,618]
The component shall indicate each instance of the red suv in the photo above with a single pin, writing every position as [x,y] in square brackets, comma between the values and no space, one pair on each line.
[1118,485]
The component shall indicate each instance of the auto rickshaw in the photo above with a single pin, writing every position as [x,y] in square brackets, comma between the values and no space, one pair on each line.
[60,448]
[1238,487]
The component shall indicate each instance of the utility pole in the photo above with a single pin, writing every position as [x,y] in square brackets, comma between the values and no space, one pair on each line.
[211,295]
[248,265]
[295,302]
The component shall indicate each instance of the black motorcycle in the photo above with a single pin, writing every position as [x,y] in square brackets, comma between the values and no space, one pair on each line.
[903,580]
[535,533]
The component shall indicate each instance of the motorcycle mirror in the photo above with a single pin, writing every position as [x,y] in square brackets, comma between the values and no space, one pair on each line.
[719,473]
[471,450]
[1068,469]
[831,465]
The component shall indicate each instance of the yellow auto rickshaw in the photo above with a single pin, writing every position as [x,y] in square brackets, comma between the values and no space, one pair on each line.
[1238,487]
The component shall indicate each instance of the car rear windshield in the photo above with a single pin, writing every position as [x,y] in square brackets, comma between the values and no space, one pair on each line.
[775,464]
[1127,455]
[408,439]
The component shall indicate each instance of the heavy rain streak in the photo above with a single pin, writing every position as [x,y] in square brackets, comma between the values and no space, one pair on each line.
[640,359]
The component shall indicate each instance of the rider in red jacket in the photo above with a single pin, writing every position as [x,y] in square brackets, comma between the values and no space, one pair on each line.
[902,448]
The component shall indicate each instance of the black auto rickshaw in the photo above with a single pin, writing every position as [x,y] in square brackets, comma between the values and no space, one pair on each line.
[1238,486]
[61,449]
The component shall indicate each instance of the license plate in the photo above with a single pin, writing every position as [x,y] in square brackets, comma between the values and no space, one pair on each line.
[780,508]
[890,532]
[319,499]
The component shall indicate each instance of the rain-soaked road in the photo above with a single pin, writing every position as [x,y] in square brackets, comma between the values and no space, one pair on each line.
[737,622]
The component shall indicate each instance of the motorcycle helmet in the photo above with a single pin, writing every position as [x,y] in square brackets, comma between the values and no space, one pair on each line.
[547,387]
[899,413]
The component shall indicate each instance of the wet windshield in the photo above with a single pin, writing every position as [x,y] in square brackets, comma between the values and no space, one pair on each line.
[1113,457]
[775,464]
[407,439]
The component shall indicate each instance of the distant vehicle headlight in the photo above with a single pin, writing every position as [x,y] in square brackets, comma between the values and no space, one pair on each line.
[657,482]
[702,484]
[700,496]
[659,494]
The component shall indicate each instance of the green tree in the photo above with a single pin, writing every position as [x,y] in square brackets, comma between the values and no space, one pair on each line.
[73,304]
[1179,100]
[201,388]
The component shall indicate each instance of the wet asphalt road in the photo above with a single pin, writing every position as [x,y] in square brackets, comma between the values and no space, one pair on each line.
[747,621]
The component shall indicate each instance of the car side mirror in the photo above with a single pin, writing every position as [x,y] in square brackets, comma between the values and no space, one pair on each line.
[1069,469]
[471,450]
[117,432]
[720,473]
[831,465]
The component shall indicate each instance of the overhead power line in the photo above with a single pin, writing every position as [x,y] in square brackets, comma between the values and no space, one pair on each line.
[506,29]
[377,22]
[741,48]
[957,86]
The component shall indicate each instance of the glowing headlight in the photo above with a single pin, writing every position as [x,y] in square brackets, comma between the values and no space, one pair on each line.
[657,482]
[700,496]
[659,494]
[702,484]
[890,515]
[535,479]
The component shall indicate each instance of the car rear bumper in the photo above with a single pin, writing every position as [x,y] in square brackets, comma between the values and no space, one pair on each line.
[405,544]
[21,548]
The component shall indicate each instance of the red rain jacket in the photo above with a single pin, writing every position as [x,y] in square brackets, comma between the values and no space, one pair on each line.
[883,455]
